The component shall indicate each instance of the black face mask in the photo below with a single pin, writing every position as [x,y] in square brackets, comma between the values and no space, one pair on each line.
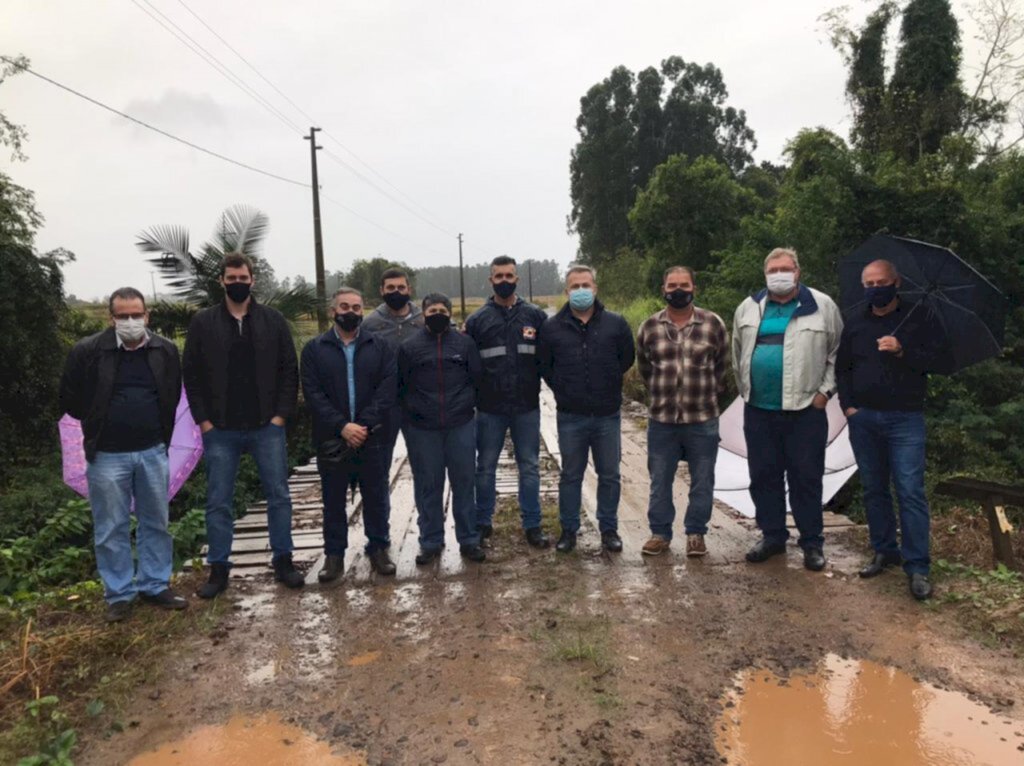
[348,321]
[395,300]
[437,323]
[504,289]
[880,297]
[238,291]
[679,299]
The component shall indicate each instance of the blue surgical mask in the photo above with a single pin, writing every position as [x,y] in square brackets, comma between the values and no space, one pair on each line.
[880,296]
[581,299]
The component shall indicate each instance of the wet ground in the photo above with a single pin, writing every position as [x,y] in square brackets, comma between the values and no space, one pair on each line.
[588,658]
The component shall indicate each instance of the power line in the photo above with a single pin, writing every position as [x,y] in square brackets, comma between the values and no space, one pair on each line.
[197,48]
[380,226]
[160,131]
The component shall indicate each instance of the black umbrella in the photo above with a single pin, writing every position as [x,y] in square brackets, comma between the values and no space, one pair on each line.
[968,308]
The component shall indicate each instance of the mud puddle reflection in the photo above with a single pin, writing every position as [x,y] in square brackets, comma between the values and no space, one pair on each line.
[857,712]
[246,740]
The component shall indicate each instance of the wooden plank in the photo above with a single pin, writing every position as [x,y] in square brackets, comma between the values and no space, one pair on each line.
[969,488]
[1002,544]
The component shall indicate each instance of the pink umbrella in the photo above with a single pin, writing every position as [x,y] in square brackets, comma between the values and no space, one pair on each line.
[185,450]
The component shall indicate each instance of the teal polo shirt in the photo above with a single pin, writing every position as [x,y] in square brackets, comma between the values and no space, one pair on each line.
[766,364]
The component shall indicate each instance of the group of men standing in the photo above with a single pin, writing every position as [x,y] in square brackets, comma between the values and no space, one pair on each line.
[454,396]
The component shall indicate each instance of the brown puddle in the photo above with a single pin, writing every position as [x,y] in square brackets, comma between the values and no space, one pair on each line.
[246,740]
[858,712]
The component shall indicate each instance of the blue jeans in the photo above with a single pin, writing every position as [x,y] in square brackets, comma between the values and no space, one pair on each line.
[787,448]
[431,453]
[371,473]
[490,439]
[114,479]
[578,436]
[667,444]
[889,446]
[223,451]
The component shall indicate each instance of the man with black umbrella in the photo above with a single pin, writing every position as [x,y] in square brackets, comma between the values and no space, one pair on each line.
[885,353]
[350,381]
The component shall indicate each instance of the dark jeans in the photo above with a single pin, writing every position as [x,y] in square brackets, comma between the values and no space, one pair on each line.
[889,446]
[223,450]
[667,444]
[578,437]
[787,447]
[490,440]
[370,471]
[431,453]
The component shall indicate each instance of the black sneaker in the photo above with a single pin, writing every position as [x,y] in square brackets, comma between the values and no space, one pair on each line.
[286,573]
[165,599]
[217,584]
[381,562]
[611,541]
[764,550]
[920,586]
[332,569]
[473,552]
[117,611]
[566,542]
[426,555]
[535,536]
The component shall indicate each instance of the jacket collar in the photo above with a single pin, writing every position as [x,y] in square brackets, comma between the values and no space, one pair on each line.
[254,307]
[384,311]
[698,316]
[331,337]
[805,299]
[565,313]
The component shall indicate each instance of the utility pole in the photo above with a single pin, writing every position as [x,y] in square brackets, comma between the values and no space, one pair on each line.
[318,239]
[529,271]
[462,280]
[152,280]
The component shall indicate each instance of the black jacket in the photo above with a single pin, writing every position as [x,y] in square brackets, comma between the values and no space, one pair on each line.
[879,380]
[87,385]
[205,363]
[584,364]
[438,376]
[325,383]
[507,341]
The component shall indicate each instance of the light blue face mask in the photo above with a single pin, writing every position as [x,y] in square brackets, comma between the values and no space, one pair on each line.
[581,299]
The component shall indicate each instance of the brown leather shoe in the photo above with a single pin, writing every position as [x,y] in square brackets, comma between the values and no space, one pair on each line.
[655,546]
[695,546]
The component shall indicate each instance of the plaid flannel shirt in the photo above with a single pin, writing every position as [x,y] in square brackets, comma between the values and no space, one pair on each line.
[683,367]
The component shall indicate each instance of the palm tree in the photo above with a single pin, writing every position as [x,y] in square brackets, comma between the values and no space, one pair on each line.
[195,279]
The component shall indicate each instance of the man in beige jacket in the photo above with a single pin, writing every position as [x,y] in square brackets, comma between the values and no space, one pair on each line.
[784,347]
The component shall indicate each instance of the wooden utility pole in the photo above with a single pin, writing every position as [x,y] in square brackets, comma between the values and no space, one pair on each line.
[462,280]
[529,271]
[318,239]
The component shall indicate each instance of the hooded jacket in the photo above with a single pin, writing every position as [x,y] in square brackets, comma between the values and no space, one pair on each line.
[809,346]
[391,328]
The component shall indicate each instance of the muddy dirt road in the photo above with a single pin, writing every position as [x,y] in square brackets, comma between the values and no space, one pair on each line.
[536,657]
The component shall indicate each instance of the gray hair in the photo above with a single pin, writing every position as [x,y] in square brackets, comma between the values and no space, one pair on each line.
[345,290]
[782,252]
[579,268]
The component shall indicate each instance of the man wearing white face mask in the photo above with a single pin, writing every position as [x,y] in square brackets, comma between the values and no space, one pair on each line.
[124,385]
[784,345]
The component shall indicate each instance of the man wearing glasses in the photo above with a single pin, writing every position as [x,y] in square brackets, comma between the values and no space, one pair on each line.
[124,384]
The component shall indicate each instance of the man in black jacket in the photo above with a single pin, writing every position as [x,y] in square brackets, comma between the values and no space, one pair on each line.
[438,376]
[584,351]
[124,384]
[241,378]
[885,354]
[505,331]
[349,378]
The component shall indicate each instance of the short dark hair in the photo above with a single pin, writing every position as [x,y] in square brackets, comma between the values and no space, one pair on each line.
[344,290]
[433,298]
[503,260]
[125,294]
[674,269]
[393,273]
[235,261]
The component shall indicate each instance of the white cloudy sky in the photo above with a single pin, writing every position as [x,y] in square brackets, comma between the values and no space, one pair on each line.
[467,107]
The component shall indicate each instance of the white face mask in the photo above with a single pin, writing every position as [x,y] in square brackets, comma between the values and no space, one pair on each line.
[130,330]
[781,282]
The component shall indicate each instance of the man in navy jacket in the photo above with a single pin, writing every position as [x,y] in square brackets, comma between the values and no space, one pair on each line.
[505,331]
[584,351]
[349,379]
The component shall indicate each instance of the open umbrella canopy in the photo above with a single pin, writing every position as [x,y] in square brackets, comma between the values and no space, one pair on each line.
[185,450]
[963,304]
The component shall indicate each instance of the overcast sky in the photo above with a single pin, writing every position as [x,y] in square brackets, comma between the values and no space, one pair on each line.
[466,107]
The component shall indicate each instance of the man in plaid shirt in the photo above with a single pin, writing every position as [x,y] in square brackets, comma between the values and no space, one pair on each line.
[681,355]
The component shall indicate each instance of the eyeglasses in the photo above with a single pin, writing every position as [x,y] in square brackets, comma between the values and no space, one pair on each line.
[129,316]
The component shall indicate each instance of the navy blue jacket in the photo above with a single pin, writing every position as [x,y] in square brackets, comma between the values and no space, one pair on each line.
[584,364]
[325,382]
[879,380]
[438,376]
[507,341]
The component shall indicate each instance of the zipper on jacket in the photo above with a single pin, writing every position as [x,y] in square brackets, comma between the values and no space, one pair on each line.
[440,376]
